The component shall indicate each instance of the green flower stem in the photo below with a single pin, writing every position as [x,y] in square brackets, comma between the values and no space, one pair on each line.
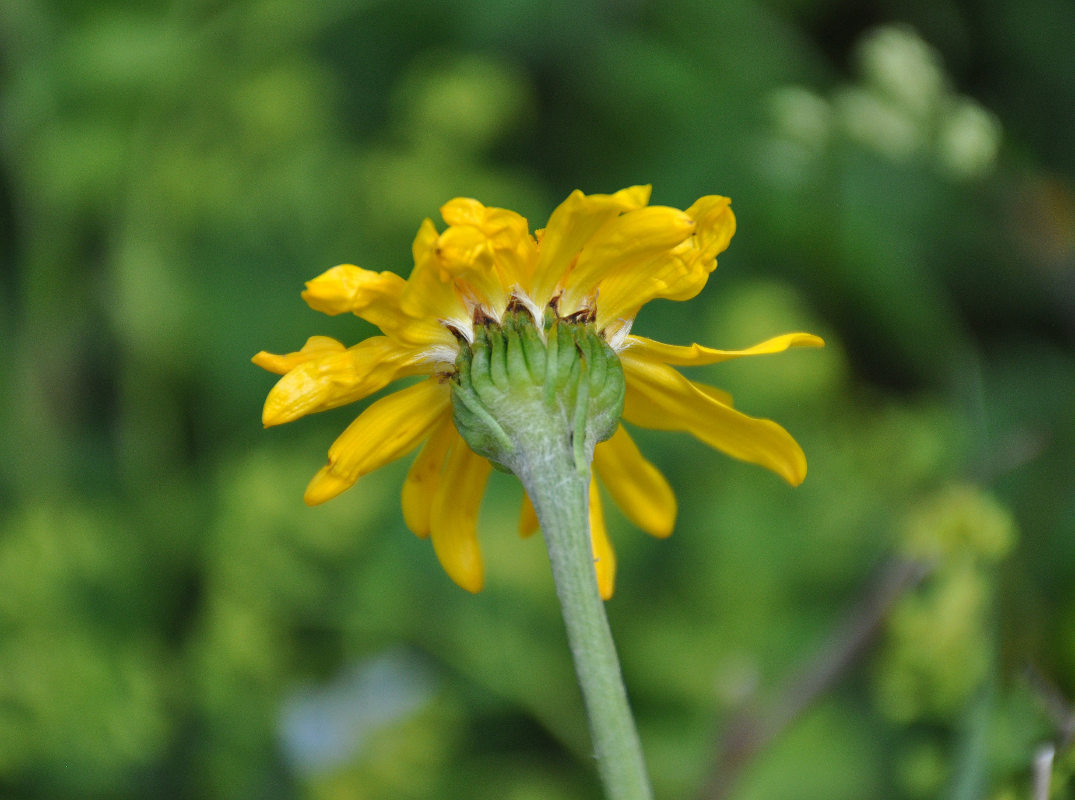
[536,404]
[559,491]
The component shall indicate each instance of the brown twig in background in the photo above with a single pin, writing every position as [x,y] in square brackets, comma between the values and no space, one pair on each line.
[1043,771]
[1055,704]
[752,730]
[1062,714]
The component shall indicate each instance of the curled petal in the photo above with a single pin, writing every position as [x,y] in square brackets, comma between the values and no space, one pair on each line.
[571,225]
[636,486]
[505,234]
[337,377]
[347,288]
[716,227]
[388,429]
[659,397]
[464,211]
[604,559]
[455,515]
[315,347]
[375,297]
[678,275]
[697,355]
[625,246]
[424,477]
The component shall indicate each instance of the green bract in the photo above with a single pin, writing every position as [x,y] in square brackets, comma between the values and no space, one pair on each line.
[514,383]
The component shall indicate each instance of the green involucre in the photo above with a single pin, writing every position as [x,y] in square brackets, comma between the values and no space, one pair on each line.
[513,378]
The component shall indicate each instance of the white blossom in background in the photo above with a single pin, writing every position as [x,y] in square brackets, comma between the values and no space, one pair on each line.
[902,107]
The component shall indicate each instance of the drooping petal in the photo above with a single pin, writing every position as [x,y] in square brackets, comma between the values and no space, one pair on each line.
[338,377]
[659,397]
[621,247]
[678,275]
[636,486]
[388,429]
[455,515]
[604,558]
[424,477]
[697,355]
[572,223]
[528,521]
[315,347]
[375,297]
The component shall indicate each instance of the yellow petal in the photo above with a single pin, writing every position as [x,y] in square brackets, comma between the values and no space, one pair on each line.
[466,254]
[714,393]
[347,288]
[430,292]
[716,227]
[680,274]
[623,246]
[636,486]
[325,485]
[571,225]
[315,346]
[375,297]
[338,377]
[504,233]
[659,397]
[388,429]
[528,521]
[604,556]
[604,559]
[463,211]
[424,477]
[455,515]
[697,355]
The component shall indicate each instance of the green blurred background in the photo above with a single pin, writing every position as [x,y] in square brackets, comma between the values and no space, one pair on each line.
[175,623]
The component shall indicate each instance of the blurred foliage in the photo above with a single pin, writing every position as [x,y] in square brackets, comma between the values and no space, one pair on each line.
[175,623]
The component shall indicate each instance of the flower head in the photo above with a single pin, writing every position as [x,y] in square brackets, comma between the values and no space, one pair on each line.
[599,259]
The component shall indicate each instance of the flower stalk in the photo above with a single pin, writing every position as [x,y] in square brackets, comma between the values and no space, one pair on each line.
[536,403]
[560,496]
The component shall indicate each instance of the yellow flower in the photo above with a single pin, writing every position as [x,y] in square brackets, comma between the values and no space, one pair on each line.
[601,257]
